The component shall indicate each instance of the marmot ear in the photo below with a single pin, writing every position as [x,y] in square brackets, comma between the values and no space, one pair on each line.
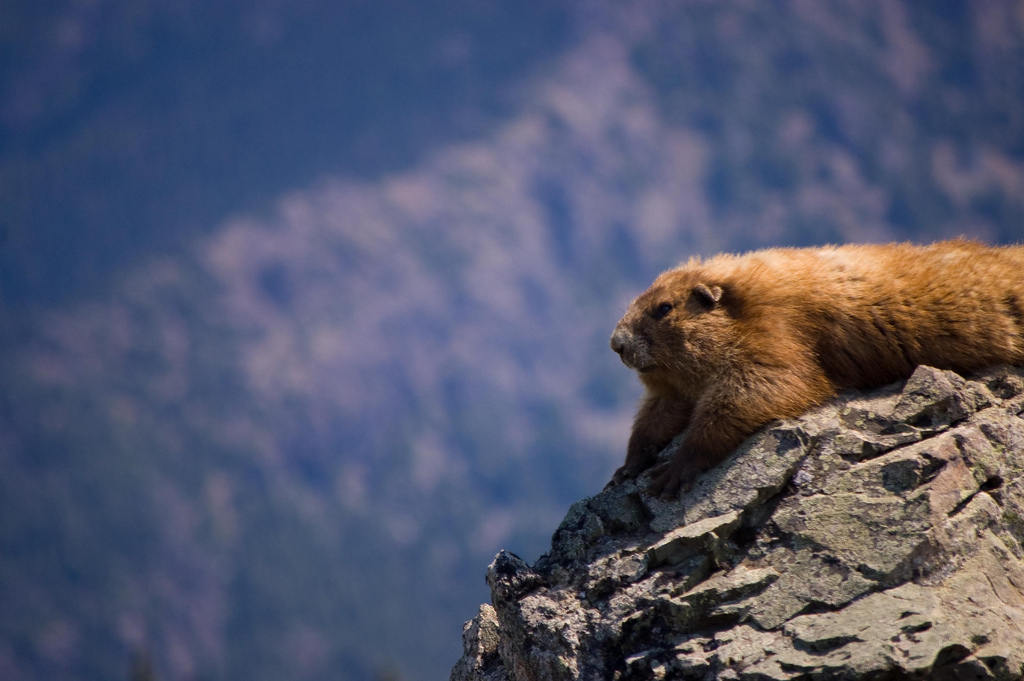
[708,295]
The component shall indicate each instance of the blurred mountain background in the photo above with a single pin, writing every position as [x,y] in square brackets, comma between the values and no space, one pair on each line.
[304,305]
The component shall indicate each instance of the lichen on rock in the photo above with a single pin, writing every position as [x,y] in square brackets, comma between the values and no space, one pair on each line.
[879,536]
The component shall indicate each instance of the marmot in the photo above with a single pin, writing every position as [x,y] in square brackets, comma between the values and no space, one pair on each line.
[725,345]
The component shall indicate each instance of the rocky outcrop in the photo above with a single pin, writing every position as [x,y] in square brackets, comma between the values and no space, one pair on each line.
[878,537]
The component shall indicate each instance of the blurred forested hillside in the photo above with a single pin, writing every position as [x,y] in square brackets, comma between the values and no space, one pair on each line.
[305,305]
[126,127]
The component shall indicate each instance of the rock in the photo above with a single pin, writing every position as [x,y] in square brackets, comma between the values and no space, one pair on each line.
[480,640]
[879,536]
[701,537]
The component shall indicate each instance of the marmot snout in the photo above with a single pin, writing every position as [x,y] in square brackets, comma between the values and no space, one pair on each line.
[633,350]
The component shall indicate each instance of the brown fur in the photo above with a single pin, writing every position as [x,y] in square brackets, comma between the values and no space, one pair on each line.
[742,340]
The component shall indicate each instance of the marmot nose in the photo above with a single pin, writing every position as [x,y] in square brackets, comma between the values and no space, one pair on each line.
[619,340]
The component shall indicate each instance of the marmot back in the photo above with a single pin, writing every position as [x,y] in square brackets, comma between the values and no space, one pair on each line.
[728,344]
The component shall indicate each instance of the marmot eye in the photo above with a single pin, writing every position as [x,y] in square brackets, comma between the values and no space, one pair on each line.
[662,310]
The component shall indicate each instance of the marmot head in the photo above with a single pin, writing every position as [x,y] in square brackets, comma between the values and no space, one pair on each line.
[675,329]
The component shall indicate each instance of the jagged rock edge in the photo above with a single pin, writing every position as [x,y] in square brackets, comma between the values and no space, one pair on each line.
[966,394]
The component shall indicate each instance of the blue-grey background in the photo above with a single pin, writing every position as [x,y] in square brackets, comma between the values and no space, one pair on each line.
[304,305]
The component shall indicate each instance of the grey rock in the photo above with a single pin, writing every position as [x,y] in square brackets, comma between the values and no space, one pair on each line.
[878,537]
[701,537]
[480,660]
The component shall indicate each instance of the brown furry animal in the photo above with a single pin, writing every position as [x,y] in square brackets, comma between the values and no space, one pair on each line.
[725,345]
